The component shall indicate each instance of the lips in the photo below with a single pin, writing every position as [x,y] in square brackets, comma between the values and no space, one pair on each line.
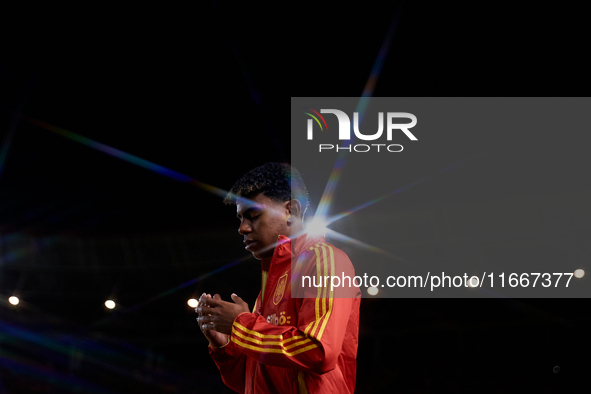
[250,243]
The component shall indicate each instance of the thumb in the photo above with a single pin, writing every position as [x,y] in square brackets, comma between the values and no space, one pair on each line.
[237,299]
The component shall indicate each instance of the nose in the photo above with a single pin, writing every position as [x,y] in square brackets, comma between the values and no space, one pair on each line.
[244,228]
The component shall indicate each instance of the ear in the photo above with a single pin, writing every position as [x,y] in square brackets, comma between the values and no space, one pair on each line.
[295,208]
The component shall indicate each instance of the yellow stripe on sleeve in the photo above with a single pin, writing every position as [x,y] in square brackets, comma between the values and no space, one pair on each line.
[272,350]
[330,300]
[318,294]
[319,276]
[275,343]
[257,334]
[327,295]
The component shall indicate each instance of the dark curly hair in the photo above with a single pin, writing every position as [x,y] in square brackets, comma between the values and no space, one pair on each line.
[279,181]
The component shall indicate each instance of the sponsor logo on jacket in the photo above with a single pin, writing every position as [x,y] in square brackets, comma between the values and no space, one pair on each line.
[279,321]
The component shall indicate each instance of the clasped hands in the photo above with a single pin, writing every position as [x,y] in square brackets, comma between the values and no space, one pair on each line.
[216,317]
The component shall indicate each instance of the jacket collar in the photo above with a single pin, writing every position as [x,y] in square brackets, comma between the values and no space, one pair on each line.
[300,244]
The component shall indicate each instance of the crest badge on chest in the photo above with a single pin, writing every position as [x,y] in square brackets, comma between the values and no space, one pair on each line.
[280,289]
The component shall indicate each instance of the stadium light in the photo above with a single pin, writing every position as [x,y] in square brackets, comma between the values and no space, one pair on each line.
[192,303]
[372,291]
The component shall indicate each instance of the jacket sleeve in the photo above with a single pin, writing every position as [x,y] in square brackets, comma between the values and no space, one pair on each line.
[231,363]
[315,343]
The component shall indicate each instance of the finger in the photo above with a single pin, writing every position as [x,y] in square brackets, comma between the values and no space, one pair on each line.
[203,326]
[237,299]
[203,300]
[212,302]
[199,302]
[206,310]
[217,297]
[205,319]
[207,326]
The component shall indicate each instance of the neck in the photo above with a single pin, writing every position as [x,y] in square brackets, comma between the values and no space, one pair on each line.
[297,228]
[266,264]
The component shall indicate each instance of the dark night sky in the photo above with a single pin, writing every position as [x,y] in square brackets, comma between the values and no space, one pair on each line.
[176,85]
[203,88]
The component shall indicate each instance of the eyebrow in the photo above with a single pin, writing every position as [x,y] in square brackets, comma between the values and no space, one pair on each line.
[248,211]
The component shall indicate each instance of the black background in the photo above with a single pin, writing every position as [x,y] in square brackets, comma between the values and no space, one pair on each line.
[203,88]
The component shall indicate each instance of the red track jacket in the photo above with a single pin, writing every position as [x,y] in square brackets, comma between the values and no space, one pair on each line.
[295,345]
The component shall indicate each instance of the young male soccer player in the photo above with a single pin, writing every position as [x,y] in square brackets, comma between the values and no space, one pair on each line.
[306,344]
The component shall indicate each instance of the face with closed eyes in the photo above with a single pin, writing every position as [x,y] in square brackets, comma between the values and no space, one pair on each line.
[262,220]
